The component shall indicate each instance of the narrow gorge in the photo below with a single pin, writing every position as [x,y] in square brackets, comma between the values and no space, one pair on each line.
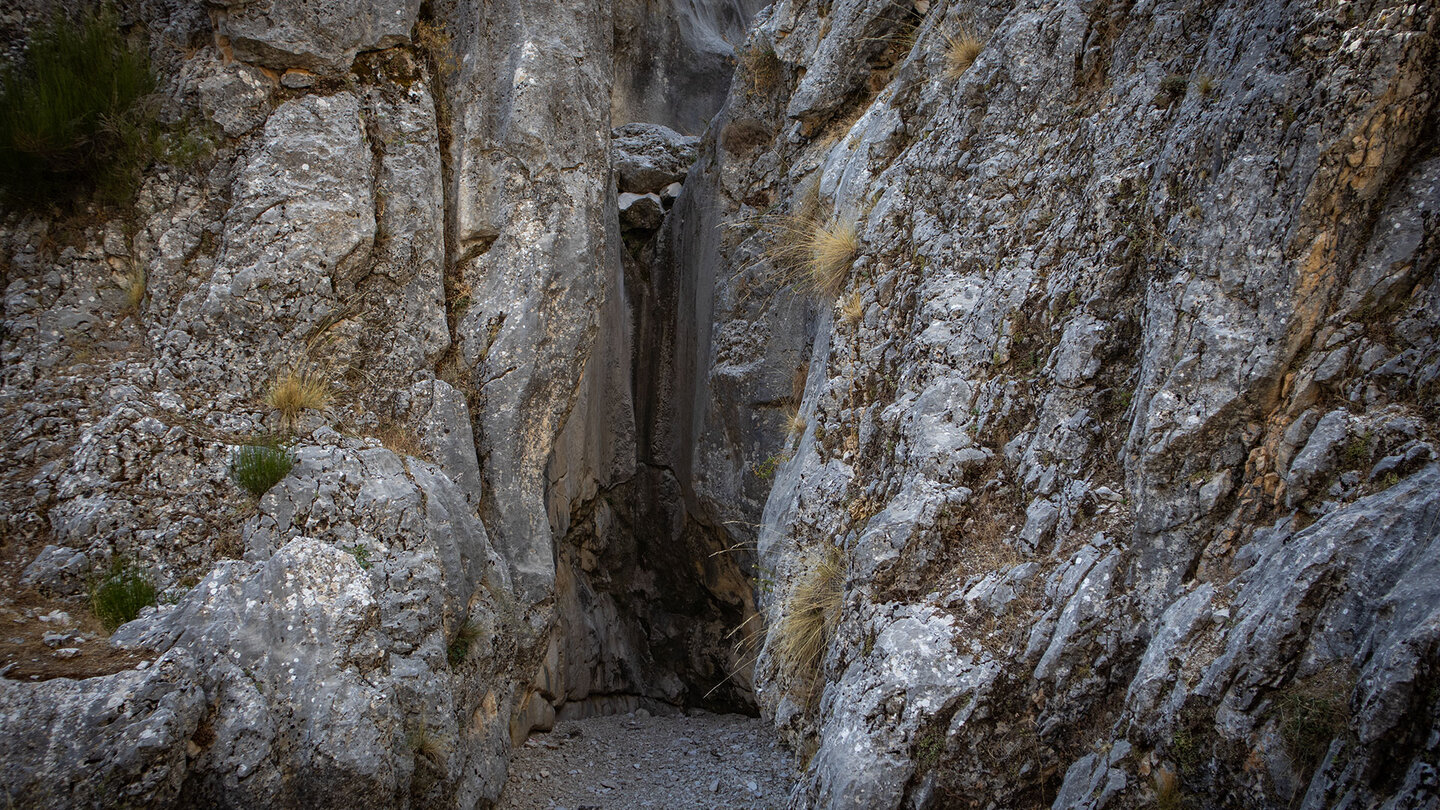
[1009,404]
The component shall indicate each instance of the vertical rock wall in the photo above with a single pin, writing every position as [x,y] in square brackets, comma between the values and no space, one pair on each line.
[414,207]
[1139,332]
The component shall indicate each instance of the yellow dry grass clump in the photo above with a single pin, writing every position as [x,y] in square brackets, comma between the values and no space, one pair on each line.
[795,423]
[852,309]
[133,285]
[297,391]
[812,252]
[961,51]
[811,613]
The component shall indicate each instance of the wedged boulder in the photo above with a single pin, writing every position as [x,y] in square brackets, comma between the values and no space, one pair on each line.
[649,157]
[641,212]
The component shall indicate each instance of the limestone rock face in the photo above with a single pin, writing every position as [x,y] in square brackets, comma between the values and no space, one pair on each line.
[322,36]
[303,678]
[124,737]
[673,59]
[1110,341]
[1112,399]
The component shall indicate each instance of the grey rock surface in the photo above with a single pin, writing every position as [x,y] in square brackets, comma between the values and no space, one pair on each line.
[1119,418]
[322,36]
[123,741]
[649,157]
[1105,397]
[673,59]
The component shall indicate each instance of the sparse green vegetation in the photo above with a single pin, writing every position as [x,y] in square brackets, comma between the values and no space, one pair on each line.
[72,112]
[765,470]
[258,467]
[1312,713]
[119,595]
[459,647]
[929,746]
[361,554]
[1357,450]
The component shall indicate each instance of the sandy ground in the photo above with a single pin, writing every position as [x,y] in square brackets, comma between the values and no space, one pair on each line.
[632,761]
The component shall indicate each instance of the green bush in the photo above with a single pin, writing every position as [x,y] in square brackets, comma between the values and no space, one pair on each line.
[1312,713]
[258,467]
[459,647]
[71,112]
[118,596]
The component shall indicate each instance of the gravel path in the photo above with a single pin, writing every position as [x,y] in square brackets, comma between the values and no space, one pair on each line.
[629,761]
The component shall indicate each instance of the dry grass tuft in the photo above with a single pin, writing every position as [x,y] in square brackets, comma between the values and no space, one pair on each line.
[795,424]
[133,285]
[811,613]
[852,309]
[297,391]
[400,440]
[1167,790]
[761,68]
[961,50]
[811,252]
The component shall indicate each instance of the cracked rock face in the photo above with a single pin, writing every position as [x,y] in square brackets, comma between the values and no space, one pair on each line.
[1111,339]
[321,36]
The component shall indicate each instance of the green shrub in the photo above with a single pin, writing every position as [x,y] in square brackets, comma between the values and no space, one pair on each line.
[1174,87]
[71,112]
[361,555]
[459,647]
[1314,712]
[258,467]
[118,596]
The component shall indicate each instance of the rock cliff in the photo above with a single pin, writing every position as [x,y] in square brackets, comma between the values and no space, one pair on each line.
[1018,403]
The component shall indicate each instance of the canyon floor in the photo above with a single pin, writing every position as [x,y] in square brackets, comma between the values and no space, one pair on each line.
[630,761]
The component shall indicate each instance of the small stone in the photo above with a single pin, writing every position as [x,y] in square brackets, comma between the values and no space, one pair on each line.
[1108,494]
[57,617]
[715,786]
[67,652]
[296,79]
